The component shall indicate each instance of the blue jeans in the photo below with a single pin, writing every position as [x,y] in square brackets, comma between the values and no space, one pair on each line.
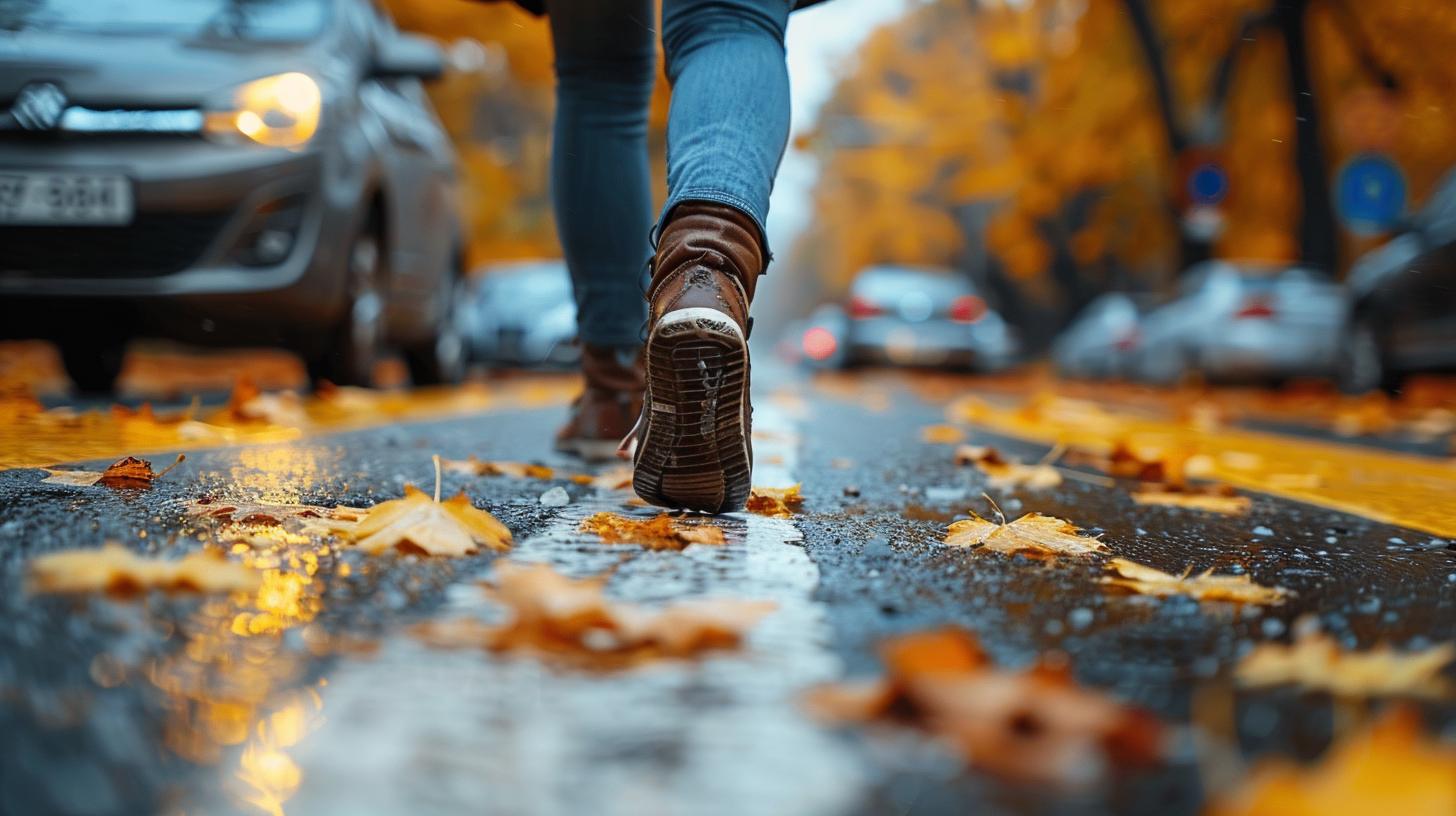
[726,132]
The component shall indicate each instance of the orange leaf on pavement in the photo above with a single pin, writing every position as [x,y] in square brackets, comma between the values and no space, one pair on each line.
[1210,498]
[1033,535]
[1205,586]
[115,570]
[571,621]
[249,404]
[1315,661]
[661,532]
[480,467]
[418,523]
[1007,473]
[1388,767]
[778,502]
[941,434]
[617,478]
[129,472]
[1035,725]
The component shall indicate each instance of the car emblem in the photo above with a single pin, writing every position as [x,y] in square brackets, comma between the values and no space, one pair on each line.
[39,106]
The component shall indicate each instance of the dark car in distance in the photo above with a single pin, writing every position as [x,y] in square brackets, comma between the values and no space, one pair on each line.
[225,172]
[1403,295]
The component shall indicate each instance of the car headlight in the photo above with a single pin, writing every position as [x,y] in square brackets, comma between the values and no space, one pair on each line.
[276,111]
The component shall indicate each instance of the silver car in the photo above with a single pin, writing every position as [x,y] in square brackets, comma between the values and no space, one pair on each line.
[230,173]
[1104,339]
[904,315]
[1245,322]
[523,314]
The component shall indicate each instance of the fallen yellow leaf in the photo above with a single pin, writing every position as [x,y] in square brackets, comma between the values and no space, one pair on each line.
[941,434]
[1210,498]
[418,523]
[1034,725]
[617,478]
[571,621]
[778,502]
[115,570]
[1315,661]
[661,532]
[1205,586]
[248,404]
[1033,535]
[480,467]
[1389,767]
[1007,473]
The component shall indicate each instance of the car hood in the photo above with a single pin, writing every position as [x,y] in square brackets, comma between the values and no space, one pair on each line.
[117,71]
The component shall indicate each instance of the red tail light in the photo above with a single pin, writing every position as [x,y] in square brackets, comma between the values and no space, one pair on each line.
[967,309]
[1127,342]
[860,307]
[1255,308]
[819,343]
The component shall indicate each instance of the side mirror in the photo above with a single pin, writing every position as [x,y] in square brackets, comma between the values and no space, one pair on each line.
[408,55]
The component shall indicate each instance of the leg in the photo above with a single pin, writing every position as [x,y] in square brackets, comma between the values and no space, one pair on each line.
[726,133]
[606,63]
[600,190]
[729,120]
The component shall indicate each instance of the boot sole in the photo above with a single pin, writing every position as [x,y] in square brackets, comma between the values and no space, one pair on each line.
[694,452]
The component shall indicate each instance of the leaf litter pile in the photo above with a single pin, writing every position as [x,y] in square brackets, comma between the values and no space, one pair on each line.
[1034,725]
[572,622]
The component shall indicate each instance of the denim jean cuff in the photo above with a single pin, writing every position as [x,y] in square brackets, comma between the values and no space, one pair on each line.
[718,197]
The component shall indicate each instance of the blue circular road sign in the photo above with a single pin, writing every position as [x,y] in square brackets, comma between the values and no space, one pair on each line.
[1207,184]
[1370,193]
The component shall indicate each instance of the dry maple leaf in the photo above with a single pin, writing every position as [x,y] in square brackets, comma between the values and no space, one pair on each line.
[129,472]
[572,621]
[1033,535]
[115,570]
[1390,767]
[1315,661]
[1211,498]
[480,467]
[418,523]
[1205,586]
[247,403]
[661,532]
[1007,473]
[1036,725]
[617,478]
[265,524]
[941,434]
[777,502]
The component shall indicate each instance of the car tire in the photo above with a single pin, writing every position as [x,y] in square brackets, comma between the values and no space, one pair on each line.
[93,363]
[1362,366]
[442,359]
[348,353]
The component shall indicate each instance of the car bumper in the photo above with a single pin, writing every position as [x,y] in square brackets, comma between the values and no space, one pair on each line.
[191,254]
[1247,351]
[921,344]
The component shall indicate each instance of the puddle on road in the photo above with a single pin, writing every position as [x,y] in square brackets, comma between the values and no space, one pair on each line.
[421,730]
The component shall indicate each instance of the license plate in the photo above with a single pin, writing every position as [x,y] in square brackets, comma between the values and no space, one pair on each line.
[64,198]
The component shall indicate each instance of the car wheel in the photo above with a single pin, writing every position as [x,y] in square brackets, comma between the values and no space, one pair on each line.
[442,359]
[93,363]
[1362,365]
[352,348]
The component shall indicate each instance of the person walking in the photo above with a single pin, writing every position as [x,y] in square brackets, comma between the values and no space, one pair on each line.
[668,377]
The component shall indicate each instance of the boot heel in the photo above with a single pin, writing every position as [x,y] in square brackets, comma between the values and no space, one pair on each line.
[694,452]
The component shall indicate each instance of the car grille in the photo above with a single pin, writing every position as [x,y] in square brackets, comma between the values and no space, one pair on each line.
[154,244]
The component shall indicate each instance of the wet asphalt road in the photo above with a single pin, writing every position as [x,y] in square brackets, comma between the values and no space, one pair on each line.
[165,705]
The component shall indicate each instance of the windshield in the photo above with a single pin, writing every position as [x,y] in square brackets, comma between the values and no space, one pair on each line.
[262,20]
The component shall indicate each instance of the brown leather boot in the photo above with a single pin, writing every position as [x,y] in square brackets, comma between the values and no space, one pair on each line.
[609,403]
[694,449]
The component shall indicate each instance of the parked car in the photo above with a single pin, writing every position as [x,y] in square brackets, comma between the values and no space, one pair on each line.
[225,173]
[1403,295]
[1103,340]
[1244,322]
[523,314]
[901,315]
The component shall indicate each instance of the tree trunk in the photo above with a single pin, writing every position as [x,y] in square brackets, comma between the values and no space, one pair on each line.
[1317,232]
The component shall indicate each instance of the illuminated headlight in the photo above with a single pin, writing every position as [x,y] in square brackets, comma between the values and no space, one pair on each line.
[277,111]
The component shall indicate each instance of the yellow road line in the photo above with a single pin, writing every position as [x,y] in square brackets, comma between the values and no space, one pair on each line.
[1401,489]
[32,437]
